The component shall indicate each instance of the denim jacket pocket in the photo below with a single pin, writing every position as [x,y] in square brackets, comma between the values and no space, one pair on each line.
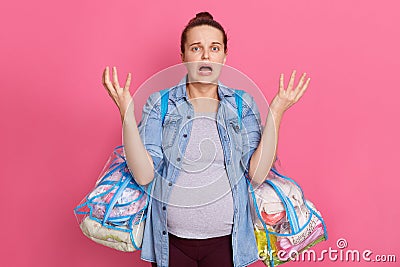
[170,129]
[235,133]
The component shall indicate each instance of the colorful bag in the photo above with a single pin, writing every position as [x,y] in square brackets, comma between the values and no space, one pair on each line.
[114,213]
[285,223]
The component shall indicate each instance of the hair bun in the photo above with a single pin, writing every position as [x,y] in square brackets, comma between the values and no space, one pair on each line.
[204,15]
[202,18]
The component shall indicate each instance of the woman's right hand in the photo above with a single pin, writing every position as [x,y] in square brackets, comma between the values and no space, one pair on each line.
[121,96]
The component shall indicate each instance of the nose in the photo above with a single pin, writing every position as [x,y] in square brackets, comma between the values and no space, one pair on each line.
[205,54]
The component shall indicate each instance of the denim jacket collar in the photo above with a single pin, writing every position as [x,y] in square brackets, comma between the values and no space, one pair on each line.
[180,92]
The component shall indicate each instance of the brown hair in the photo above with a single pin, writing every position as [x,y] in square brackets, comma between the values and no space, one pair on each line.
[203,18]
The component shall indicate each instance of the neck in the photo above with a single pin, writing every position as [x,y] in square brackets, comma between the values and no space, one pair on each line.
[203,97]
[202,90]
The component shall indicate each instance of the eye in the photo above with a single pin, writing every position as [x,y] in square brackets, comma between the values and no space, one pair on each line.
[196,49]
[215,48]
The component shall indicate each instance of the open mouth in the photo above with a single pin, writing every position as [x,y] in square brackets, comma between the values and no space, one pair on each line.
[205,69]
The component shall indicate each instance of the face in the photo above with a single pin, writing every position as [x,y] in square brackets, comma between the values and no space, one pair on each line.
[204,53]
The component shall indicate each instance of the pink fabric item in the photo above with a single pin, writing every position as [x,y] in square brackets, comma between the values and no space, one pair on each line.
[272,219]
[284,244]
[127,196]
[99,210]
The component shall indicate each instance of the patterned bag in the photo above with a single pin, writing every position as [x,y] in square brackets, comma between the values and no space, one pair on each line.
[114,213]
[285,223]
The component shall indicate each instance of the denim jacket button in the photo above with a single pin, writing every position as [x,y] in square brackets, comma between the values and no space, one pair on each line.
[185,135]
[169,183]
[164,232]
[164,208]
[189,117]
[178,159]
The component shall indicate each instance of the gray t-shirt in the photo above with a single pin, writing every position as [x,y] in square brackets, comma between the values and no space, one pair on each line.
[201,202]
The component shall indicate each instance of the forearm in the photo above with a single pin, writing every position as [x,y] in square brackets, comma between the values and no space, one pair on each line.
[265,154]
[138,159]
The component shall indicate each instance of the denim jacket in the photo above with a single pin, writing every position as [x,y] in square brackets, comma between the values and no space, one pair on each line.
[166,143]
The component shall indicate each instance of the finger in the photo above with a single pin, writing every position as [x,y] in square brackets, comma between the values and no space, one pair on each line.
[300,94]
[115,78]
[106,76]
[103,76]
[291,81]
[281,84]
[107,81]
[301,82]
[128,82]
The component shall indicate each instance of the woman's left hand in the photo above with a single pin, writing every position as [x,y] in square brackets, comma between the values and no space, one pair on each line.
[286,98]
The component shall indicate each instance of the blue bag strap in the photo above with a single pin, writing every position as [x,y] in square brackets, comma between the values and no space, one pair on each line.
[290,211]
[114,199]
[269,247]
[164,103]
[304,200]
[239,105]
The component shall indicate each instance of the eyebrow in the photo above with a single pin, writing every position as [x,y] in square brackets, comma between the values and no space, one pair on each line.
[196,43]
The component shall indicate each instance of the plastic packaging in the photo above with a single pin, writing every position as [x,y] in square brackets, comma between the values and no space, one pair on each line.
[114,212]
[284,221]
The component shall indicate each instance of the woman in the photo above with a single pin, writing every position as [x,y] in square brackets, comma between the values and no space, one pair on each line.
[203,143]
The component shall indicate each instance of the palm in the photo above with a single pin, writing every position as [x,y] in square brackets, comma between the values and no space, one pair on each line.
[121,96]
[284,99]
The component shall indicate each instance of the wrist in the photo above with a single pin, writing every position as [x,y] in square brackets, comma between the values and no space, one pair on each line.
[126,111]
[127,115]
[276,111]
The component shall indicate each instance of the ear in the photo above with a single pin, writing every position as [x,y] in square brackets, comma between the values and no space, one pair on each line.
[224,58]
[182,57]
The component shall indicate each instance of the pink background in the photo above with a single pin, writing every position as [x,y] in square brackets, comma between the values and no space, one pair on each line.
[59,125]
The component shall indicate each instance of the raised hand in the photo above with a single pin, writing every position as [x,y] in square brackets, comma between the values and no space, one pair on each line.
[121,96]
[284,99]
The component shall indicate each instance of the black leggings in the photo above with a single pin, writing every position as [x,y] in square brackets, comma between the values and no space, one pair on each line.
[216,251]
